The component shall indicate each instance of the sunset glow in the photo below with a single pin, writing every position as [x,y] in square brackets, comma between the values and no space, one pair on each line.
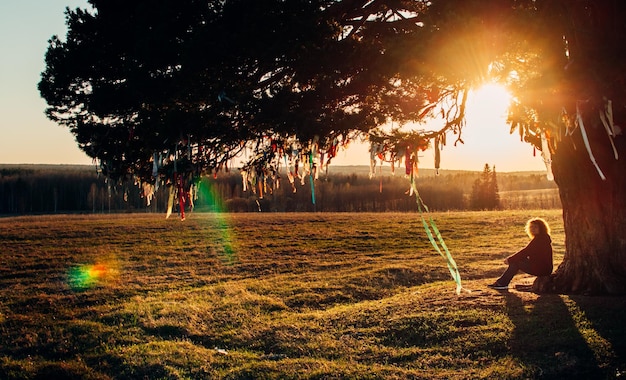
[489,102]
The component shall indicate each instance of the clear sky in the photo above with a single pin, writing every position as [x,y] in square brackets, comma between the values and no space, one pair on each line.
[27,136]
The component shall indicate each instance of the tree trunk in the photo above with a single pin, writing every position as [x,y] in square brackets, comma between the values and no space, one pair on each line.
[594,213]
[594,210]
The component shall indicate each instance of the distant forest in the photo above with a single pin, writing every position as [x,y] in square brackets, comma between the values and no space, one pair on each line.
[46,189]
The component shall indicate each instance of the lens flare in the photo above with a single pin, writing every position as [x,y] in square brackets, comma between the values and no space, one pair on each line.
[210,196]
[88,276]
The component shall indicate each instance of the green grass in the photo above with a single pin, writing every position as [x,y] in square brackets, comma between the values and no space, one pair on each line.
[295,296]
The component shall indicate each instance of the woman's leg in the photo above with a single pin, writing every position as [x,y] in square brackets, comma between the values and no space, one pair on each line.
[514,267]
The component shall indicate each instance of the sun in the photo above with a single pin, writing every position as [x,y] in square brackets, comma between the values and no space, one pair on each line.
[489,102]
[486,135]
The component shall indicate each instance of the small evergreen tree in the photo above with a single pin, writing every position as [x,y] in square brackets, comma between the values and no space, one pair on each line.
[485,191]
[493,189]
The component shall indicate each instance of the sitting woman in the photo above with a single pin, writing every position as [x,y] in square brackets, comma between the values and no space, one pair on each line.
[534,259]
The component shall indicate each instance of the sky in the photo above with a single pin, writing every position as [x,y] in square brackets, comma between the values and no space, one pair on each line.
[28,137]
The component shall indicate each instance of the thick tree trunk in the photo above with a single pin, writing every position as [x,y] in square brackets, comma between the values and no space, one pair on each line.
[594,213]
[594,210]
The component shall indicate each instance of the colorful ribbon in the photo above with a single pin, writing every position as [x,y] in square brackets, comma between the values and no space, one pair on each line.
[430,224]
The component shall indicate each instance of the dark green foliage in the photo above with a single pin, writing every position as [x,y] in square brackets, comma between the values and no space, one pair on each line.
[485,191]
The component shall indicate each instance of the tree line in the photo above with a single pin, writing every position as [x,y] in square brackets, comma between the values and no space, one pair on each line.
[42,190]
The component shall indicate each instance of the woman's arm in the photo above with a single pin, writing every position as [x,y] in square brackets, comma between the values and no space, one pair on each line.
[528,251]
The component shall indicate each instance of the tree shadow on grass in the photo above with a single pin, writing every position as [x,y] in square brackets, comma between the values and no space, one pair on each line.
[604,316]
[547,340]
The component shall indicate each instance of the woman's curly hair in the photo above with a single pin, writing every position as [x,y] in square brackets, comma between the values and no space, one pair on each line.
[544,228]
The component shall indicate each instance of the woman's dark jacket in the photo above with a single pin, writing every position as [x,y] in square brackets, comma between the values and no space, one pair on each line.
[537,254]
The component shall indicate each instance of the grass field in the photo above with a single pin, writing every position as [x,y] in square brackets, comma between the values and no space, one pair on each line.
[290,296]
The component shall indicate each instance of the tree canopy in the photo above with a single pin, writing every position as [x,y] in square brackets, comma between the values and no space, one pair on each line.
[132,79]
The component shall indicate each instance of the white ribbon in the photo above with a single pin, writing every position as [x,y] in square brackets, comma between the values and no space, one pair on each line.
[586,141]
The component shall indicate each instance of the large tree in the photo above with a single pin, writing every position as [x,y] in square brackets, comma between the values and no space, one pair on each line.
[195,80]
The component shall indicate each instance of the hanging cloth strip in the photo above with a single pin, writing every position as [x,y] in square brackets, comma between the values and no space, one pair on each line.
[430,224]
[607,120]
[311,178]
[546,155]
[579,118]
[437,155]
[170,200]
